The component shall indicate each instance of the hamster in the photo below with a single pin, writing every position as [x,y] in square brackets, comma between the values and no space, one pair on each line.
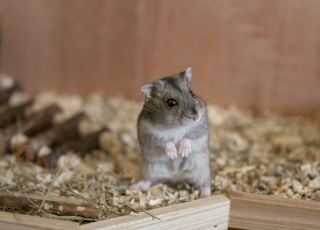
[173,135]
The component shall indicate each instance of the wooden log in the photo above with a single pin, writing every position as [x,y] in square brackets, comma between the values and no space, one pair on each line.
[13,203]
[80,146]
[65,131]
[206,213]
[25,153]
[50,161]
[86,143]
[253,211]
[6,93]
[41,120]
[26,222]
[29,126]
[59,134]
[12,114]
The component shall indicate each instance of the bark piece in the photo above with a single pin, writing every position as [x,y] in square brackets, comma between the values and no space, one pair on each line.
[52,207]
[80,146]
[86,143]
[5,94]
[65,131]
[29,126]
[12,114]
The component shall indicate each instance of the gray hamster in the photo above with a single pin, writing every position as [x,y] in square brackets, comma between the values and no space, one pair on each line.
[173,134]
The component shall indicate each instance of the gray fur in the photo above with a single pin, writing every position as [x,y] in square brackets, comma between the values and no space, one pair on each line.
[174,140]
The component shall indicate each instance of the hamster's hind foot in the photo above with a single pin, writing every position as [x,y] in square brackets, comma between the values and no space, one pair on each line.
[141,185]
[205,191]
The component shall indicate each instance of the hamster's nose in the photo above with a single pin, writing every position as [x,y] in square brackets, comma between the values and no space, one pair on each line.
[195,114]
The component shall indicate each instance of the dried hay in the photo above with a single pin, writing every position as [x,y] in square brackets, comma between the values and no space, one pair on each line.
[265,154]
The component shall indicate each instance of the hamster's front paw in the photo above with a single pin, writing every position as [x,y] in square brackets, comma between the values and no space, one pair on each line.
[171,150]
[184,148]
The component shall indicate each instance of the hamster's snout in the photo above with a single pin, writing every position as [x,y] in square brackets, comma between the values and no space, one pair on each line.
[195,114]
[195,117]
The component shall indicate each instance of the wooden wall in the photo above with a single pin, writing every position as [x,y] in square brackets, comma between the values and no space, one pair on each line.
[253,53]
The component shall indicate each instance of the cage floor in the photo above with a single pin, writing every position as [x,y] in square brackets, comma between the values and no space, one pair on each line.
[264,154]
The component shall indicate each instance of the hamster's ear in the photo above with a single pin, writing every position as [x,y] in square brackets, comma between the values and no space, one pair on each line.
[148,90]
[188,73]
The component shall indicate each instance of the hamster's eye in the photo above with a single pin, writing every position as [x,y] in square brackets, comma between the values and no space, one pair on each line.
[171,102]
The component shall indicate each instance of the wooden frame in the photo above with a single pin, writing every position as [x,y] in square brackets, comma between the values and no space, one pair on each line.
[211,212]
[239,211]
[123,45]
[26,222]
[252,211]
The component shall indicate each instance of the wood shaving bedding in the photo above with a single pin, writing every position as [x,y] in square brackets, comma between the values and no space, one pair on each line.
[266,154]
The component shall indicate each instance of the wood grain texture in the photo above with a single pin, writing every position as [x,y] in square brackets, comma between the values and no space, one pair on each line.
[26,222]
[252,211]
[255,54]
[24,203]
[206,213]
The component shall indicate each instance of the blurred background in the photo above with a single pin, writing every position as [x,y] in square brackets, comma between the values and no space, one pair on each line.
[255,54]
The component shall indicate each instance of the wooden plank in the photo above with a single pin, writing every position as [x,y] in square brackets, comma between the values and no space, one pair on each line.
[26,222]
[206,213]
[253,54]
[248,211]
[253,211]
[25,203]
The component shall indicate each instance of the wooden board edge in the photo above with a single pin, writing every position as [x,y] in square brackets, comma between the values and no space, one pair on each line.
[26,222]
[254,211]
[211,212]
[247,211]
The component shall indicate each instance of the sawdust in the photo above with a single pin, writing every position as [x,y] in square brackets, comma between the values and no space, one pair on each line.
[266,154]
